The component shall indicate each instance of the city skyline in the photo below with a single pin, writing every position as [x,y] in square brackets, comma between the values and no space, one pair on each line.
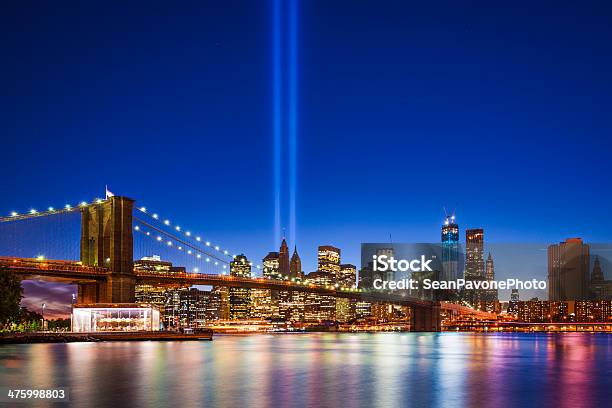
[57,297]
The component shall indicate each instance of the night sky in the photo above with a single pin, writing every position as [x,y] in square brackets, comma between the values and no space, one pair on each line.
[500,113]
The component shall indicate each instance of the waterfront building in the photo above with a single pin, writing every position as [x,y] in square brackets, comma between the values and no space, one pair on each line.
[262,306]
[120,317]
[593,310]
[345,310]
[568,270]
[319,307]
[240,298]
[155,294]
[292,305]
[187,308]
[219,305]
[363,309]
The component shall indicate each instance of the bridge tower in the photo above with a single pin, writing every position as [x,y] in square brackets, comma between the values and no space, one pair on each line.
[426,318]
[107,241]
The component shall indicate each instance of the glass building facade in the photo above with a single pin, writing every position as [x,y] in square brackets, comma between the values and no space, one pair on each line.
[114,318]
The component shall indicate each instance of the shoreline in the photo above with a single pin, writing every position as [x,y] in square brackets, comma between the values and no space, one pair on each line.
[33,338]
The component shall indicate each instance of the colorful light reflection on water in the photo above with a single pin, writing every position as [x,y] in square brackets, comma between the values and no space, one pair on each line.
[324,369]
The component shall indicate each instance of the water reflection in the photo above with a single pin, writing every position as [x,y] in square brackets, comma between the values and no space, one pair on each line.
[348,370]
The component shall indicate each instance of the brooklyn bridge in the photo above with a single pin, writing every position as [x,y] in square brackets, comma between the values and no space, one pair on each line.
[105,272]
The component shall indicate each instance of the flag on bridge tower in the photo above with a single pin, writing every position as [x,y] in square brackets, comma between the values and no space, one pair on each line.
[108,193]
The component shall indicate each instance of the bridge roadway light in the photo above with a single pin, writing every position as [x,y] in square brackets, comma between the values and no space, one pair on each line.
[51,209]
[14,214]
[67,206]
[33,211]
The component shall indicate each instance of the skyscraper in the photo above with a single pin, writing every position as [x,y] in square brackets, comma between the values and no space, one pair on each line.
[187,308]
[492,294]
[601,289]
[328,261]
[295,266]
[514,302]
[271,266]
[219,305]
[348,276]
[450,249]
[283,260]
[597,274]
[474,254]
[568,270]
[240,298]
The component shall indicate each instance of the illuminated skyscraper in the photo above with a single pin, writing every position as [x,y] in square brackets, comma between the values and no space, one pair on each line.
[271,271]
[318,307]
[187,308]
[271,266]
[474,254]
[219,305]
[514,302]
[348,276]
[329,261]
[295,266]
[262,306]
[450,249]
[240,298]
[568,270]
[155,294]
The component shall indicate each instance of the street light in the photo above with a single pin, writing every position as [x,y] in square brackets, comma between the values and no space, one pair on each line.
[43,316]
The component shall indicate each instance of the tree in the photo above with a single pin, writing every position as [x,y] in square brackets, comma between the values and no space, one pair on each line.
[10,297]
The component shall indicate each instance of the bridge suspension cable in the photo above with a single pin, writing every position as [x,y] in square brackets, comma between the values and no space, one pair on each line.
[34,213]
[184,236]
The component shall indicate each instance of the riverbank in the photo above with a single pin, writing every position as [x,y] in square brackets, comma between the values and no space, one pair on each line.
[27,338]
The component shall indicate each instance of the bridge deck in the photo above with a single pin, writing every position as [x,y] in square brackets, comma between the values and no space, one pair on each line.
[46,269]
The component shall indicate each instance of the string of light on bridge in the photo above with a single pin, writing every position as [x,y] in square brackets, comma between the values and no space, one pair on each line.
[33,212]
[186,233]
